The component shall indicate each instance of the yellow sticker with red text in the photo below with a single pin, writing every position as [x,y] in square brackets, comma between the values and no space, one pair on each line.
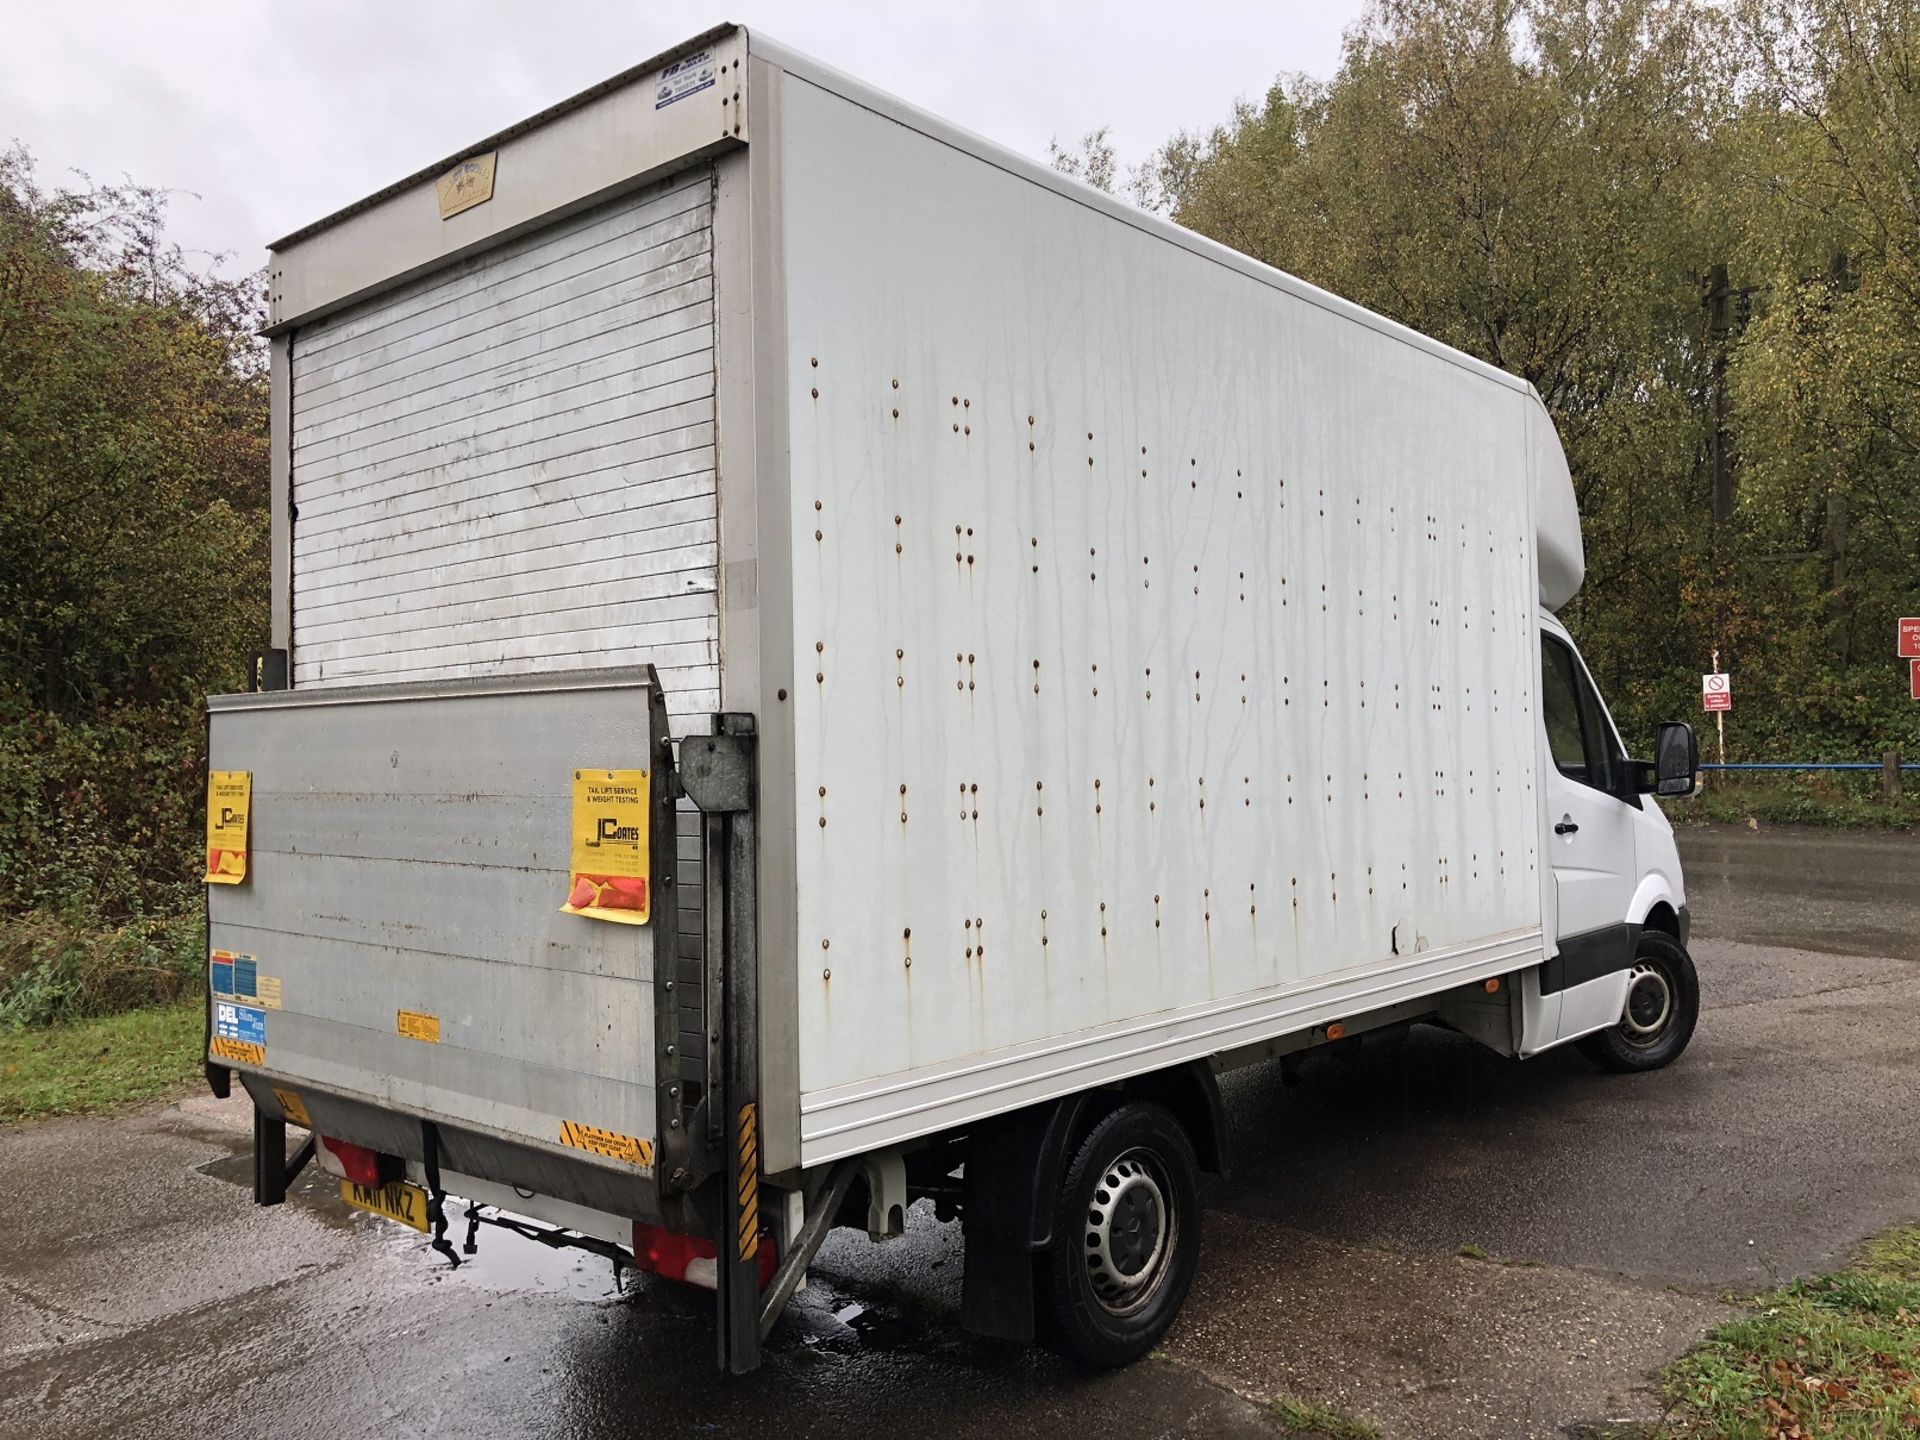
[229,796]
[608,877]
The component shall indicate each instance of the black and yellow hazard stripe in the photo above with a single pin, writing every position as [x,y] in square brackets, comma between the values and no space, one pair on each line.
[611,1143]
[748,1179]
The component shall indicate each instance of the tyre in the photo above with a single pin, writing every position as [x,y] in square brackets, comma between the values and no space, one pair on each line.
[1663,1005]
[1126,1239]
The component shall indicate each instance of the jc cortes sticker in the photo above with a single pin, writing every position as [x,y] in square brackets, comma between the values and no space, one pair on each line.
[608,876]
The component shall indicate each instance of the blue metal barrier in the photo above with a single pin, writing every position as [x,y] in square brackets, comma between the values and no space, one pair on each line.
[1814,765]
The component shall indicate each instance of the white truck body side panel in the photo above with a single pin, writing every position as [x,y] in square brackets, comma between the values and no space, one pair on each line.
[508,466]
[1562,553]
[1163,640]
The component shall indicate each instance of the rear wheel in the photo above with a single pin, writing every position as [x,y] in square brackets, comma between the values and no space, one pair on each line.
[1663,1005]
[1126,1239]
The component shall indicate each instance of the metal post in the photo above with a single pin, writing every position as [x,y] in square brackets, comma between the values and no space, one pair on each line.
[718,773]
[1720,720]
[1890,774]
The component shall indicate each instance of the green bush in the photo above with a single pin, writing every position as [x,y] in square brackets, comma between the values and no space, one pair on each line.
[57,968]
[104,817]
[1785,797]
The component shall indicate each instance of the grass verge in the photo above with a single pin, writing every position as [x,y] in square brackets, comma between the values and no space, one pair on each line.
[100,1064]
[1834,798]
[1300,1417]
[1837,1357]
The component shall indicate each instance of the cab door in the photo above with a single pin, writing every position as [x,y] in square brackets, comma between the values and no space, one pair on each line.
[1590,839]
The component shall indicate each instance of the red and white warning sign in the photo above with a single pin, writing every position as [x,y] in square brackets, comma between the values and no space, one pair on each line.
[1910,637]
[1716,692]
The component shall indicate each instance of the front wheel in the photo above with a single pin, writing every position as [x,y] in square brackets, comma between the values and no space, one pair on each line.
[1663,1005]
[1126,1239]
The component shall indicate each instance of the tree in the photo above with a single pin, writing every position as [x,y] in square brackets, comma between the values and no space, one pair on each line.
[1524,180]
[133,500]
[1827,383]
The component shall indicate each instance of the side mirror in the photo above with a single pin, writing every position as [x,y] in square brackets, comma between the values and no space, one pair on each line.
[1676,760]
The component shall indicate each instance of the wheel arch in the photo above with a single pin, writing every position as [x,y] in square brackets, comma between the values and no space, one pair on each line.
[1656,907]
[1193,1095]
[1013,1174]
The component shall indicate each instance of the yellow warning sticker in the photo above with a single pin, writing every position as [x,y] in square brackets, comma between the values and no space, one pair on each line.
[417,1026]
[608,877]
[237,1052]
[229,793]
[611,1143]
[292,1107]
[268,991]
[747,1215]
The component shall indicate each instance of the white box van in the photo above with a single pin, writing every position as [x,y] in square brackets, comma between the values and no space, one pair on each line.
[1023,657]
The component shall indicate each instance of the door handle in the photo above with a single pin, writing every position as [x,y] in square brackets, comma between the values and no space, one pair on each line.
[1565,827]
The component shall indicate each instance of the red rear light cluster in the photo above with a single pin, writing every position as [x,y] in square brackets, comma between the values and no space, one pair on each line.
[691,1259]
[361,1165]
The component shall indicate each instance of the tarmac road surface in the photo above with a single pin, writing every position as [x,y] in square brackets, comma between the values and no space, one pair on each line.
[141,1294]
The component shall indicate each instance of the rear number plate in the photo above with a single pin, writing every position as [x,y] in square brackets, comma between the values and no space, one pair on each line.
[398,1201]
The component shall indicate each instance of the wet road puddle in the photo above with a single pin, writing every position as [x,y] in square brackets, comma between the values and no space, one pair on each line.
[832,1314]
[502,1261]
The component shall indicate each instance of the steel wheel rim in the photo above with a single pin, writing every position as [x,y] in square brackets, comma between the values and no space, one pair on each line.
[1649,1008]
[1130,1232]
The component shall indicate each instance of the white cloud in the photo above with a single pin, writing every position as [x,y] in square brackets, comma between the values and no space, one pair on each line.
[275,114]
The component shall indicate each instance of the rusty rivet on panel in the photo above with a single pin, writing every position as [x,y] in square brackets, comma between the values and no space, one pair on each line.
[816,392]
[896,384]
[781,695]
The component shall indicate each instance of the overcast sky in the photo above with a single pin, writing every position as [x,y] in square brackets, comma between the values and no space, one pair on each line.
[272,114]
